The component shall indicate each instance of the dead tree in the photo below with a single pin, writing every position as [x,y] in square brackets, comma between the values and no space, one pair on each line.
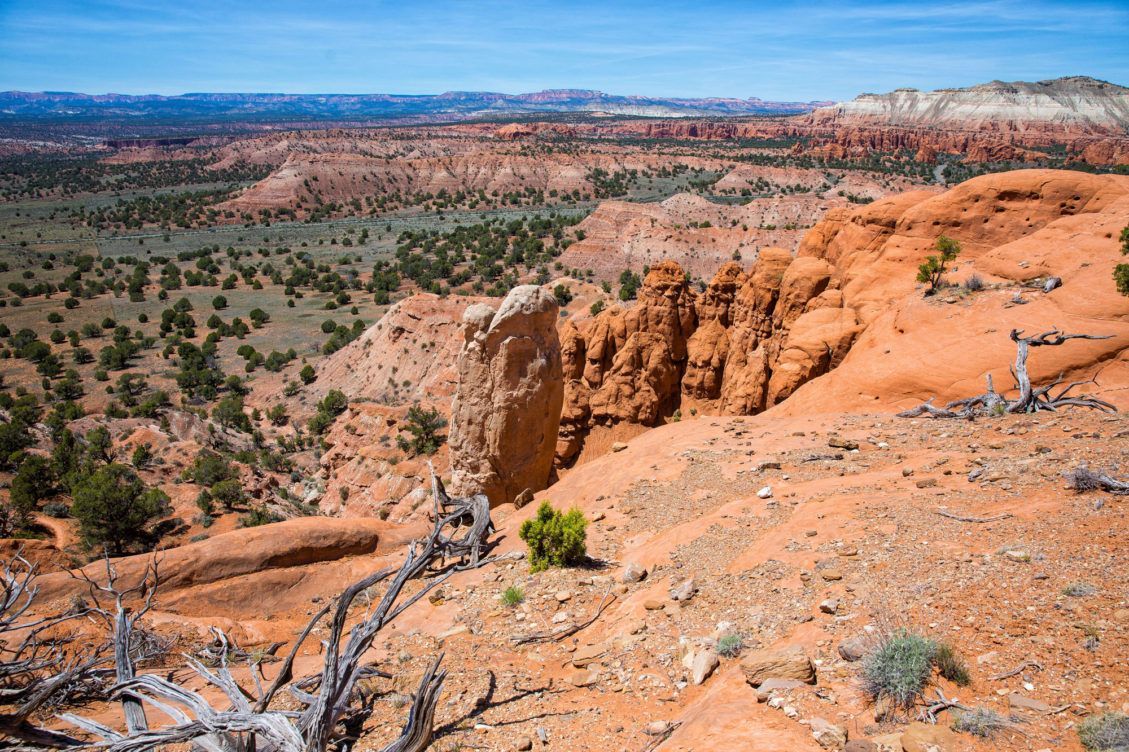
[37,670]
[1031,398]
[122,624]
[330,700]
[1083,479]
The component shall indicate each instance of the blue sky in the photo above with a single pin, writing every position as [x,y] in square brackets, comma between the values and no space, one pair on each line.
[775,50]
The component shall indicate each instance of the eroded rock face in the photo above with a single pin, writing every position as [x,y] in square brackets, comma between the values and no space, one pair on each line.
[507,406]
[744,344]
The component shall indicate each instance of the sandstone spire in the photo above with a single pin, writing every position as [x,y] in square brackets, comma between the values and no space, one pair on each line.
[507,406]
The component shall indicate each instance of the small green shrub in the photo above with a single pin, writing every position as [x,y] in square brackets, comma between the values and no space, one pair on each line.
[229,493]
[424,426]
[56,509]
[980,721]
[512,595]
[730,645]
[554,539]
[899,668]
[1079,589]
[1108,732]
[259,516]
[950,665]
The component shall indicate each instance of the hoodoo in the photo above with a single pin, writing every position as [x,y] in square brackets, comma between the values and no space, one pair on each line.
[507,407]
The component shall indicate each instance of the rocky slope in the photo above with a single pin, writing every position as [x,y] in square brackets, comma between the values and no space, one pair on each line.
[407,356]
[840,550]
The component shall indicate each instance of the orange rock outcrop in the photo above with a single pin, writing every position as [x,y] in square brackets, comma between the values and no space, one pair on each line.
[848,305]
[506,411]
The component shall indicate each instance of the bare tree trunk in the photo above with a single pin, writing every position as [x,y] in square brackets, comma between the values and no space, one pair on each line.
[1031,398]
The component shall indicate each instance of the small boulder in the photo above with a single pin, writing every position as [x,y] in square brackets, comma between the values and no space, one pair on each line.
[839,442]
[828,734]
[522,499]
[618,446]
[829,606]
[831,575]
[523,744]
[1017,701]
[853,649]
[582,678]
[684,591]
[633,573]
[701,664]
[765,493]
[768,686]
[586,654]
[784,663]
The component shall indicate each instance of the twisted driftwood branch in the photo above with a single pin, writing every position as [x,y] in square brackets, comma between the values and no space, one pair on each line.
[567,630]
[460,532]
[961,518]
[1031,398]
[1018,670]
[928,714]
[36,670]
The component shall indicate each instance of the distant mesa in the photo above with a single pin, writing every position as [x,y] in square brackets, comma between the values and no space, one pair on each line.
[449,105]
[1078,102]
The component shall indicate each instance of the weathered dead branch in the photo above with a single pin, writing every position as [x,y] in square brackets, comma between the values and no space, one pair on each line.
[1030,398]
[460,534]
[928,714]
[37,671]
[1083,479]
[961,518]
[566,630]
[1018,670]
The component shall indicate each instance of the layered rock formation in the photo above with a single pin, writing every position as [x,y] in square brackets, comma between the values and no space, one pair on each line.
[744,344]
[1090,105]
[697,233]
[996,121]
[507,407]
[754,337]
[1016,229]
[418,342]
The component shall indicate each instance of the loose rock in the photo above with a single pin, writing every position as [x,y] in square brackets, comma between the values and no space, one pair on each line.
[784,663]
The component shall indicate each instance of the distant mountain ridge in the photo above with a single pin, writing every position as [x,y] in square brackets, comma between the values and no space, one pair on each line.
[1071,102]
[456,104]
